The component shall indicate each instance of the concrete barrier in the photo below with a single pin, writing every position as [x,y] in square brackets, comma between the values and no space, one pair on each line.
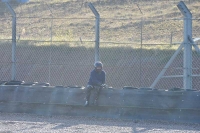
[178,105]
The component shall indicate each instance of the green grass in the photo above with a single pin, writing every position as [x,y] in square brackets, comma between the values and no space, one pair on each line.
[120,21]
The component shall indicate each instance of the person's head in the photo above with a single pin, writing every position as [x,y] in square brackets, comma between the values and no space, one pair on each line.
[98,66]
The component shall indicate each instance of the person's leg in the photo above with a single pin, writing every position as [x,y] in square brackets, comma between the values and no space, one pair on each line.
[88,92]
[97,92]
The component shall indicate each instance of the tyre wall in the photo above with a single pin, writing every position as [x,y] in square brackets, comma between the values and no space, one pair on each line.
[128,103]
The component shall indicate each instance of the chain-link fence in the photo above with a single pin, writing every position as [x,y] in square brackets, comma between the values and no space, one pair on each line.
[55,42]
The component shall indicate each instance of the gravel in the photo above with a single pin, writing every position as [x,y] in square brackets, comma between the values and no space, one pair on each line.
[31,123]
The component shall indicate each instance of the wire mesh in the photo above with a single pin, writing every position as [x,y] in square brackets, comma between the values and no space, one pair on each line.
[5,62]
[55,42]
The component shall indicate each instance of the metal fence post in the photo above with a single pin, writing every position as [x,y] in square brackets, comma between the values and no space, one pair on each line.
[50,56]
[13,73]
[187,76]
[97,16]
[141,50]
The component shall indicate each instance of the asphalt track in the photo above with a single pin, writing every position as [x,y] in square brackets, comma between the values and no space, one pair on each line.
[30,123]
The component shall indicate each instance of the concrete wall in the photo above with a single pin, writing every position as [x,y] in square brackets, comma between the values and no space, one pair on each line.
[181,105]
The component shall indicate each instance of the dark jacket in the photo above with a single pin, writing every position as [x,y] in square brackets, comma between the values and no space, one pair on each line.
[97,78]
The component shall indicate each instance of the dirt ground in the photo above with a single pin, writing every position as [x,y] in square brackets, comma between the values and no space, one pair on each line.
[30,123]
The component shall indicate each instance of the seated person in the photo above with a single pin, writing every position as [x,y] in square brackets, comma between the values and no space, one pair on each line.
[96,82]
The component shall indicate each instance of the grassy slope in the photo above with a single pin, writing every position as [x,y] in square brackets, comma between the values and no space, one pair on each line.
[126,30]
[129,63]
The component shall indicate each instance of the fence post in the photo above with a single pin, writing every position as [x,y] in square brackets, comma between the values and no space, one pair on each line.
[97,16]
[187,76]
[13,41]
[141,50]
[50,56]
